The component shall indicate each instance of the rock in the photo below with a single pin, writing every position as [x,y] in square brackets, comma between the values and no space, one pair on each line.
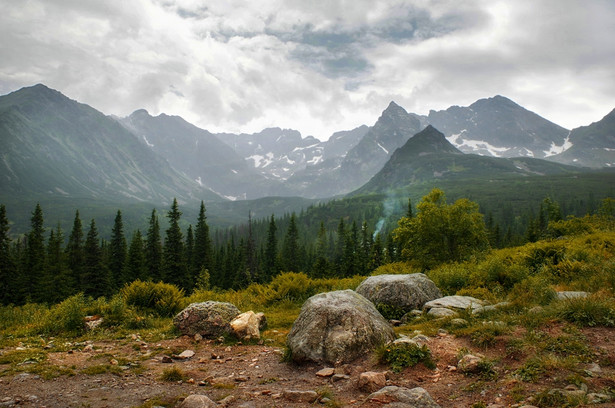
[339,377]
[337,327]
[262,321]
[326,372]
[372,381]
[441,312]
[568,294]
[536,310]
[198,337]
[166,360]
[209,319]
[92,322]
[186,354]
[197,401]
[458,322]
[246,325]
[411,398]
[420,340]
[225,402]
[597,398]
[456,303]
[300,396]
[404,292]
[469,364]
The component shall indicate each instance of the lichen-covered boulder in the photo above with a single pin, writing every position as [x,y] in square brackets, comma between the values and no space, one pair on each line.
[457,303]
[401,292]
[403,397]
[209,319]
[337,327]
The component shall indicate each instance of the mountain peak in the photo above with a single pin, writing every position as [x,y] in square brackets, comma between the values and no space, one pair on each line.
[394,110]
[428,140]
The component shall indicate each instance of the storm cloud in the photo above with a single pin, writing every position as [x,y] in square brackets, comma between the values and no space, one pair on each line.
[317,66]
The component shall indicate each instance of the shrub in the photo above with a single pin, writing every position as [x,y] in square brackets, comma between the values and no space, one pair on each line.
[394,268]
[532,370]
[172,374]
[296,287]
[533,290]
[402,355]
[390,312]
[67,316]
[591,311]
[160,298]
[450,278]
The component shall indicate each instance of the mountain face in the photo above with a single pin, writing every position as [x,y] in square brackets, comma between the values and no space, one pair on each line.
[430,156]
[499,127]
[394,127]
[199,155]
[591,146]
[53,145]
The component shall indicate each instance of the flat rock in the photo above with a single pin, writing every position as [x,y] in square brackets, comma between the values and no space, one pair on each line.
[569,294]
[326,372]
[197,401]
[411,398]
[441,312]
[186,354]
[300,396]
[455,302]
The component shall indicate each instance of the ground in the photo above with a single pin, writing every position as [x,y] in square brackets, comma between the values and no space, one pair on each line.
[128,372]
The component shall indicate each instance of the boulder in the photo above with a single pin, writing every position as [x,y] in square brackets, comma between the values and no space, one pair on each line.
[247,325]
[439,312]
[197,401]
[209,319]
[456,303]
[410,398]
[372,381]
[403,292]
[337,327]
[569,294]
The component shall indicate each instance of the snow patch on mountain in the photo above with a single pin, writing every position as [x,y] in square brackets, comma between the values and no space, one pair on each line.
[555,149]
[147,141]
[476,146]
[382,147]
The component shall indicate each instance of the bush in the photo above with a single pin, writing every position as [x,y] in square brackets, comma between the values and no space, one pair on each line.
[534,290]
[532,370]
[67,316]
[172,374]
[450,278]
[591,311]
[395,268]
[402,355]
[296,287]
[160,298]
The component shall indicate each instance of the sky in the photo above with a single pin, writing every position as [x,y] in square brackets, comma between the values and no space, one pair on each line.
[316,66]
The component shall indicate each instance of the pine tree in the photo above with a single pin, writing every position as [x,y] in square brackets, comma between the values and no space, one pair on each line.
[153,249]
[270,261]
[136,267]
[7,265]
[250,254]
[365,249]
[338,256]
[351,246]
[377,254]
[96,277]
[35,277]
[189,259]
[409,211]
[117,252]
[61,283]
[175,270]
[202,255]
[321,265]
[290,248]
[75,254]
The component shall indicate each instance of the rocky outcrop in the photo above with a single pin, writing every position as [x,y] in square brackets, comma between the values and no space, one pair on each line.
[337,327]
[403,397]
[403,292]
[209,319]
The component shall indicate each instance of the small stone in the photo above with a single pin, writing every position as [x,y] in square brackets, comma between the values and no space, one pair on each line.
[197,401]
[441,312]
[395,322]
[87,349]
[598,398]
[469,363]
[241,379]
[166,360]
[191,381]
[186,354]
[371,381]
[326,372]
[198,337]
[300,396]
[339,377]
[225,402]
[459,322]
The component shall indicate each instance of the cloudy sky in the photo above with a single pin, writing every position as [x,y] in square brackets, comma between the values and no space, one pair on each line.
[316,66]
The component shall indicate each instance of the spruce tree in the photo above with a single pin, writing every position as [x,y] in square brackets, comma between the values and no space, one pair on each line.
[96,278]
[75,254]
[34,280]
[153,249]
[202,255]
[7,266]
[250,254]
[377,254]
[189,258]
[117,252]
[60,282]
[290,247]
[175,270]
[270,261]
[136,267]
[321,265]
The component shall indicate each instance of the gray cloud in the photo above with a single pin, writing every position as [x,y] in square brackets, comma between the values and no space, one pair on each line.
[317,66]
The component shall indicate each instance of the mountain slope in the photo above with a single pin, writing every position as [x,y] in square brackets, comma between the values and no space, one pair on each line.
[200,155]
[592,145]
[429,156]
[53,145]
[499,127]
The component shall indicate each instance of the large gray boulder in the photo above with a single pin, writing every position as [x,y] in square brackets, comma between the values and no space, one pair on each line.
[337,327]
[209,319]
[403,292]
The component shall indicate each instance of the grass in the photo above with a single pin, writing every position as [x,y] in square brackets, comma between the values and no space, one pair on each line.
[173,374]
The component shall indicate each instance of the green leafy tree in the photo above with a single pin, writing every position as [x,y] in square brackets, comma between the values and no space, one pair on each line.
[441,232]
[74,252]
[174,264]
[153,249]
[96,279]
[117,252]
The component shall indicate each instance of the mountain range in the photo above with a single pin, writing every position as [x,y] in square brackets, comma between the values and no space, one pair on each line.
[52,146]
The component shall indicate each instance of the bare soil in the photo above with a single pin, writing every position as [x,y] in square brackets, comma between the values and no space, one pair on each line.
[128,373]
